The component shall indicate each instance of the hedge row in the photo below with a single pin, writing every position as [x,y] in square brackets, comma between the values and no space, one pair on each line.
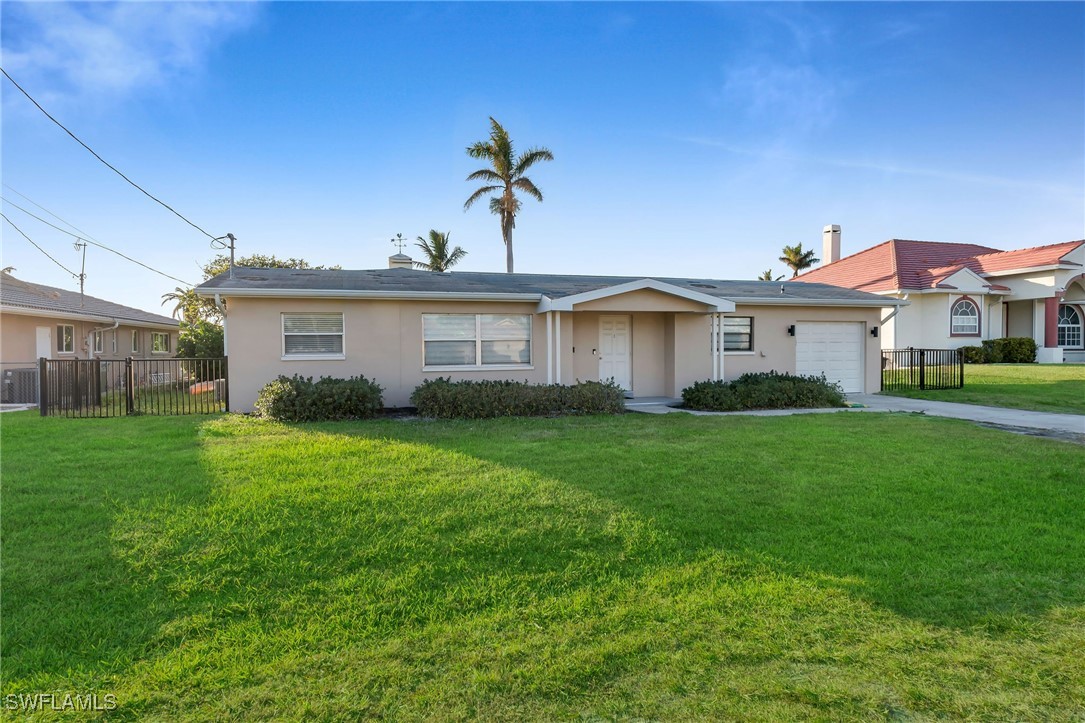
[300,399]
[763,390]
[1008,350]
[445,399]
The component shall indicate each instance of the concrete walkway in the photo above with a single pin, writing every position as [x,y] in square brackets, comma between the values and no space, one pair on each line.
[1061,425]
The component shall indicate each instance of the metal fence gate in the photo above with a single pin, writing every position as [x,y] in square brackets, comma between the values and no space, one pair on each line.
[116,388]
[922,369]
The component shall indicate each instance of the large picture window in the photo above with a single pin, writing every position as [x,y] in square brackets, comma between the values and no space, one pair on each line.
[306,335]
[160,342]
[965,318]
[476,340]
[738,333]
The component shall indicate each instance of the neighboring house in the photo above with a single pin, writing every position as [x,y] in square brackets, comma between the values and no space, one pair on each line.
[41,321]
[653,336]
[960,294]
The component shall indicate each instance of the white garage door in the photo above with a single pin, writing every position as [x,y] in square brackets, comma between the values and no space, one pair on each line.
[834,349]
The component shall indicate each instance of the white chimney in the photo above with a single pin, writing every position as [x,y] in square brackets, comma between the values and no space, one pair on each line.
[830,244]
[400,261]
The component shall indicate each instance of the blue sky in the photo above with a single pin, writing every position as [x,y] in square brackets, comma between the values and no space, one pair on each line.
[689,139]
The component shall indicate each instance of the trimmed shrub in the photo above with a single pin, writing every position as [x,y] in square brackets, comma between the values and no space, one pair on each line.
[300,399]
[974,355]
[1011,350]
[763,390]
[445,399]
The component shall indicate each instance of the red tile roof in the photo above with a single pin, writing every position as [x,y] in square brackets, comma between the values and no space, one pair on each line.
[905,264]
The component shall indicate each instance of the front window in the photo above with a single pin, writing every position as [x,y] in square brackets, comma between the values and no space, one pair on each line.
[306,335]
[135,342]
[738,333]
[476,340]
[65,339]
[965,318]
[99,342]
[1069,327]
[160,342]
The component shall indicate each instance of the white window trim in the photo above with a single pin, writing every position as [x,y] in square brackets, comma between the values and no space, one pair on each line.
[98,338]
[740,353]
[737,352]
[135,341]
[162,333]
[310,357]
[60,337]
[1080,326]
[478,366]
[953,317]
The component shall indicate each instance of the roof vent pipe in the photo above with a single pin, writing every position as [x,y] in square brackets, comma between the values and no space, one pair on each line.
[830,244]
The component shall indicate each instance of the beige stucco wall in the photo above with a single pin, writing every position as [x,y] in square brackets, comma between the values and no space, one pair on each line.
[383,341]
[18,339]
[775,350]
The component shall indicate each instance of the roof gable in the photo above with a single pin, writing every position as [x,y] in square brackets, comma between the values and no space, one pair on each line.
[566,303]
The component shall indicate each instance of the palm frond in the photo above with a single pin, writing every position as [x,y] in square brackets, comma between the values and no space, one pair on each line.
[479,194]
[530,158]
[486,174]
[480,149]
[525,185]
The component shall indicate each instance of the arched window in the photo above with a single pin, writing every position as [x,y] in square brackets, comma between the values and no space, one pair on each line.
[1069,327]
[965,318]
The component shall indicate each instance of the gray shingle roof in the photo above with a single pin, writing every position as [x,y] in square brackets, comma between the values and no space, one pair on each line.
[553,286]
[18,293]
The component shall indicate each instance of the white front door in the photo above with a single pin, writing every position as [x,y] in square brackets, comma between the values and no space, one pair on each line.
[834,349]
[615,350]
[44,342]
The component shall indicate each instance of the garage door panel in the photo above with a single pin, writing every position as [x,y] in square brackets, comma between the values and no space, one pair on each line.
[834,349]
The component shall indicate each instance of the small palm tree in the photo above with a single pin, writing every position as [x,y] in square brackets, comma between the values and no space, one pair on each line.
[504,177]
[797,259]
[188,306]
[437,253]
[766,275]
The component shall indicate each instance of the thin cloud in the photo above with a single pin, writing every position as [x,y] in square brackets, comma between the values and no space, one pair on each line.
[883,167]
[78,52]
[794,96]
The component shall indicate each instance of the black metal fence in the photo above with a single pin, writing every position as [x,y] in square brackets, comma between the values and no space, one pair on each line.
[922,369]
[115,388]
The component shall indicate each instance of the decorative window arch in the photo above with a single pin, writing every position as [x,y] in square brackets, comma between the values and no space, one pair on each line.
[1069,327]
[964,318]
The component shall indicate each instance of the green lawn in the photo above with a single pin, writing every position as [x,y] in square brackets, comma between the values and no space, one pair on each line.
[846,566]
[1041,387]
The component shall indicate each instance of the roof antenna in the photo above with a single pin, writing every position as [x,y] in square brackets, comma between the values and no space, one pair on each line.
[217,243]
[81,244]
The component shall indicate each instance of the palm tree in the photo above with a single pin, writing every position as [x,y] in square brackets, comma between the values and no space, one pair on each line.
[505,177]
[766,275]
[438,257]
[188,304]
[797,259]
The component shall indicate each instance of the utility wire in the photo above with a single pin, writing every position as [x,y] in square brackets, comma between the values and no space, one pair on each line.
[32,202]
[39,248]
[92,242]
[107,164]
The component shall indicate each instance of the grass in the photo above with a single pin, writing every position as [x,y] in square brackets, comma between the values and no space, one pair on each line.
[1039,387]
[637,566]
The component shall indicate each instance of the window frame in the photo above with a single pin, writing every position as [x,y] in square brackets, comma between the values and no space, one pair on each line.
[1079,327]
[99,341]
[953,316]
[135,341]
[311,356]
[60,338]
[165,334]
[479,366]
[723,336]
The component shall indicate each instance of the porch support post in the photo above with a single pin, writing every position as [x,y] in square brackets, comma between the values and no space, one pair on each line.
[1051,322]
[719,322]
[714,319]
[549,347]
[557,347]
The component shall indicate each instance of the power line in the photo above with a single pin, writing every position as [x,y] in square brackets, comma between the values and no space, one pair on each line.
[104,161]
[92,242]
[32,202]
[39,248]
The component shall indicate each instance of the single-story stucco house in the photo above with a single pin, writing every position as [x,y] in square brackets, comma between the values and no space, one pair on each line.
[653,336]
[960,294]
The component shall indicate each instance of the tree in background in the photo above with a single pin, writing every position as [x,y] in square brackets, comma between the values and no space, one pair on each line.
[188,306]
[504,177]
[200,339]
[221,263]
[436,250]
[797,259]
[766,275]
